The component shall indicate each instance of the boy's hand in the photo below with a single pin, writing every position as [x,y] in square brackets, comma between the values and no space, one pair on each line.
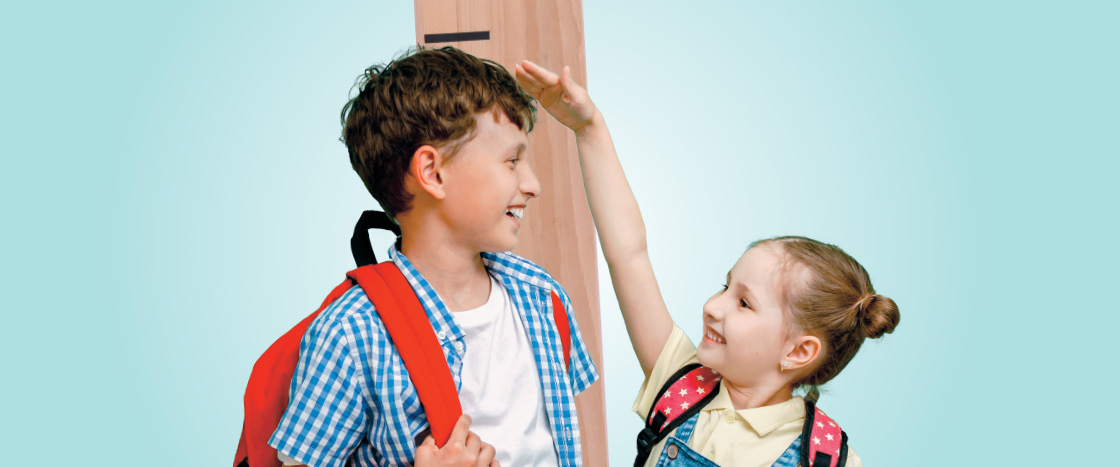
[565,100]
[463,449]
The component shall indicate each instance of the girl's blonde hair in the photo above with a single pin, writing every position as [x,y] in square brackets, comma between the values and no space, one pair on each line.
[830,296]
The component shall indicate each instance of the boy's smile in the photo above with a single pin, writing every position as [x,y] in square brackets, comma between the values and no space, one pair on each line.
[516,213]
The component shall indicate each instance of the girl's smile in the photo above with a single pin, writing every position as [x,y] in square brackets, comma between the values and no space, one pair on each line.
[710,335]
[745,329]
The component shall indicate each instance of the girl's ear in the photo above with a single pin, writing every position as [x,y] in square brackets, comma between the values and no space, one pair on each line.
[427,162]
[804,351]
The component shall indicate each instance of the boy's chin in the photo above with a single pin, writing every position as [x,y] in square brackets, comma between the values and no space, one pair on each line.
[501,246]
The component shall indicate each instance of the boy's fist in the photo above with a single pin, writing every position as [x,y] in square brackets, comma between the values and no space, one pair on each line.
[463,449]
[565,100]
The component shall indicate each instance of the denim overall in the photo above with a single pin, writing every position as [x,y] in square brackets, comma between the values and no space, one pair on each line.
[677,453]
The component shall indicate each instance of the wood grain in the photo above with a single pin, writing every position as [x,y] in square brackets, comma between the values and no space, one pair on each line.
[557,231]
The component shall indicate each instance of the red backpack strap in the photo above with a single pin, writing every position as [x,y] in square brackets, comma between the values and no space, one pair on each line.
[823,443]
[560,316]
[266,395]
[416,342]
[681,397]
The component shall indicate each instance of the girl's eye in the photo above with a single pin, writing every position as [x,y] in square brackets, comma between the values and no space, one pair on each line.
[513,161]
[744,304]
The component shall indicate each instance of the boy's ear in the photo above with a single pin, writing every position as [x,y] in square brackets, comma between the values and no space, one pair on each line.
[804,351]
[427,162]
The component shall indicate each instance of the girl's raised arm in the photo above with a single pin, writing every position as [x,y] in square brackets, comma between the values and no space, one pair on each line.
[618,220]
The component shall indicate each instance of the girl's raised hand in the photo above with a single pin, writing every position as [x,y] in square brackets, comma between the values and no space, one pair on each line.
[565,100]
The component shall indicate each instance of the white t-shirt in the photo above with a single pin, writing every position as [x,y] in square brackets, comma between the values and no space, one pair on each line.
[501,389]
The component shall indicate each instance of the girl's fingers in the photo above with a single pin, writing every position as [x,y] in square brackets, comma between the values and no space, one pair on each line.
[530,83]
[575,94]
[547,78]
[566,82]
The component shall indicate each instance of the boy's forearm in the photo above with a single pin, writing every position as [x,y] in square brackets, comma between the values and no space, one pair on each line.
[617,217]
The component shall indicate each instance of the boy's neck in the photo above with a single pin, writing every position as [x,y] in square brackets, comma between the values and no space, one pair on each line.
[456,273]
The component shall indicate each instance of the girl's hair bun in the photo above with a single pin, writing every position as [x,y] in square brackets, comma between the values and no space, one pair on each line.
[878,315]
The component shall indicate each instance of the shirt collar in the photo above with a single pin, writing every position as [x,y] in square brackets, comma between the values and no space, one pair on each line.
[763,420]
[445,326]
[509,267]
[516,268]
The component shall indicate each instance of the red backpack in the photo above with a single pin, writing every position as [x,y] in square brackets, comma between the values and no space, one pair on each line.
[266,396]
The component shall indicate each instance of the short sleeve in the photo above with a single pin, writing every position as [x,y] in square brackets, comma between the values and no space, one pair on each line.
[677,353]
[853,459]
[327,416]
[581,372]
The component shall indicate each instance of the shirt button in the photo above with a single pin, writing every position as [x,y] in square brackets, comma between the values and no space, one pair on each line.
[459,346]
[441,335]
[672,451]
[729,417]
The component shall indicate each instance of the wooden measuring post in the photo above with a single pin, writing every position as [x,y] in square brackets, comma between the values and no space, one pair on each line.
[557,231]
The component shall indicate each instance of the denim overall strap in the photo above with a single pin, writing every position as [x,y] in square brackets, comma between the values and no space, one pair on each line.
[792,456]
[683,395]
[684,432]
[676,452]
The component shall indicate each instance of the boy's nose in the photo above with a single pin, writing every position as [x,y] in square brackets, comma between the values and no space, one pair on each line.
[529,183]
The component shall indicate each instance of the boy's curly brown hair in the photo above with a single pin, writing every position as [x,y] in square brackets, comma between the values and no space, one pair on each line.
[424,97]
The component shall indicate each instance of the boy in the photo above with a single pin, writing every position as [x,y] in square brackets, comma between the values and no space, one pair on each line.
[439,138]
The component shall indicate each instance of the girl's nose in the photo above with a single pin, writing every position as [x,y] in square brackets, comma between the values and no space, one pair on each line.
[711,311]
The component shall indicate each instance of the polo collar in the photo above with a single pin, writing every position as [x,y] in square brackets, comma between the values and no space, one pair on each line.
[763,420]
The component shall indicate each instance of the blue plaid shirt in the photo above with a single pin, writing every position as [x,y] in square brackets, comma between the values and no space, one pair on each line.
[353,402]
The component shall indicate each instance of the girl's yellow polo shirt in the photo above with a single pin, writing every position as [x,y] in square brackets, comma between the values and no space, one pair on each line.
[743,438]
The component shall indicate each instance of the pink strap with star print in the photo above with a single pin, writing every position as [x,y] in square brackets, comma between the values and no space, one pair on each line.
[823,443]
[682,396]
[683,393]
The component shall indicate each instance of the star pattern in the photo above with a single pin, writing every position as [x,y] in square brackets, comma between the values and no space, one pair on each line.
[685,392]
[825,437]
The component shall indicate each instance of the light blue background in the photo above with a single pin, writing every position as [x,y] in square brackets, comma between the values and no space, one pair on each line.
[175,197]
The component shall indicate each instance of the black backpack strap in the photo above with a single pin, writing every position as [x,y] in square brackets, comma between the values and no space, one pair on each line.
[823,443]
[656,427]
[359,242]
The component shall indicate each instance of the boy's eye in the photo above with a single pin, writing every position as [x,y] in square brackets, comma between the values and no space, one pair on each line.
[744,304]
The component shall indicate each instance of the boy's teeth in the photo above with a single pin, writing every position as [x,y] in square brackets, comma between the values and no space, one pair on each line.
[517,212]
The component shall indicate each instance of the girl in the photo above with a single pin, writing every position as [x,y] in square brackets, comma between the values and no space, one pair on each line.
[792,314]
